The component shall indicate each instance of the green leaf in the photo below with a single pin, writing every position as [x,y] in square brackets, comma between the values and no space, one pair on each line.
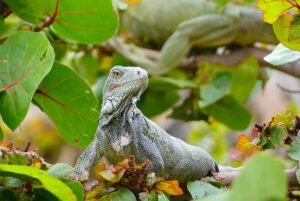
[282,55]
[294,33]
[44,195]
[221,3]
[3,28]
[7,195]
[98,89]
[1,134]
[282,31]
[230,112]
[220,197]
[216,89]
[70,104]
[188,111]
[51,184]
[151,179]
[162,197]
[294,151]
[27,58]
[247,70]
[278,134]
[123,194]
[298,175]
[87,66]
[82,21]
[167,83]
[12,182]
[250,186]
[146,196]
[60,170]
[17,159]
[161,99]
[200,189]
[76,187]
[112,175]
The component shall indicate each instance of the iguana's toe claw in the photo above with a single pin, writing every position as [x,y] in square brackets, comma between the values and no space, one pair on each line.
[79,175]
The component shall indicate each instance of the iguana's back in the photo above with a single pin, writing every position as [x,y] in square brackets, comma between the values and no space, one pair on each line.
[182,161]
[158,19]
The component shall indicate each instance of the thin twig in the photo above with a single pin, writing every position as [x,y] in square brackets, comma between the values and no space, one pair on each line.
[227,178]
[27,146]
[286,89]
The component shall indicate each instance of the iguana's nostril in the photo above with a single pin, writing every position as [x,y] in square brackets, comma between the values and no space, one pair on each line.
[138,72]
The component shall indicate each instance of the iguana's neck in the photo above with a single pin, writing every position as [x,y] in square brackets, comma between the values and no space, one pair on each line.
[119,115]
[249,24]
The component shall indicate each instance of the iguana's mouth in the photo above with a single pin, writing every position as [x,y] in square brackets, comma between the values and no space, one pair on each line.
[123,83]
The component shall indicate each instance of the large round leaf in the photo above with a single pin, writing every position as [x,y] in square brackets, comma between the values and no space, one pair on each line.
[273,186]
[230,112]
[82,21]
[70,103]
[51,184]
[25,59]
[282,29]
[123,194]
[262,179]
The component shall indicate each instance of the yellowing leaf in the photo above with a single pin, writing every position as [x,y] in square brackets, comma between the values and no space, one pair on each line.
[171,187]
[286,118]
[244,148]
[100,167]
[96,191]
[244,143]
[111,175]
[273,9]
[131,1]
[38,165]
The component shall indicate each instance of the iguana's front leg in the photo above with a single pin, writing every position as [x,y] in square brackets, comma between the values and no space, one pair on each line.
[89,157]
[143,148]
[204,31]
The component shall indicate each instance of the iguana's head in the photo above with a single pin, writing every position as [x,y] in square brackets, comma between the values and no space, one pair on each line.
[123,87]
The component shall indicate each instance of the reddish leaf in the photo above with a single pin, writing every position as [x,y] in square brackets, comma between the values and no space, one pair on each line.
[255,132]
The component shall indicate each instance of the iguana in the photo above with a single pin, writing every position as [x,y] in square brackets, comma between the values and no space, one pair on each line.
[123,131]
[182,24]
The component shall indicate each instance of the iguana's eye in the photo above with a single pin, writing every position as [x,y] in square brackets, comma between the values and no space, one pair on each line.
[116,73]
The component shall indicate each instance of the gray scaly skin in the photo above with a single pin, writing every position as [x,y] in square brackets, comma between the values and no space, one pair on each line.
[123,131]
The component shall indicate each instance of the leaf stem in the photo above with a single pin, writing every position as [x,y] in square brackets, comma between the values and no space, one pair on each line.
[50,20]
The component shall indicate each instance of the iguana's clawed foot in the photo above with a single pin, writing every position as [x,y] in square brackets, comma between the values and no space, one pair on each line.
[78,175]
